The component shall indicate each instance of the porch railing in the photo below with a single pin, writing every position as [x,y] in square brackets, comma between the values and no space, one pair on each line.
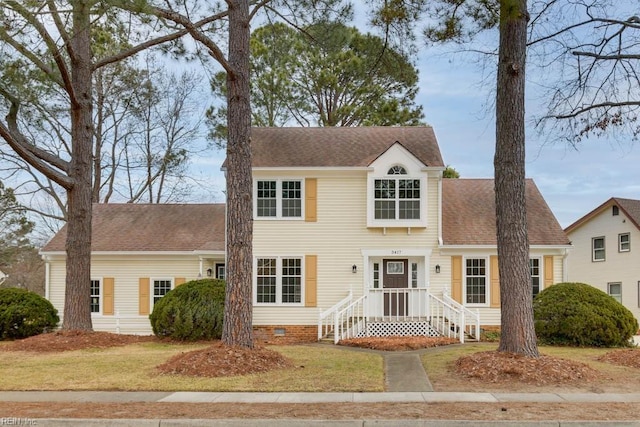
[327,320]
[472,318]
[349,317]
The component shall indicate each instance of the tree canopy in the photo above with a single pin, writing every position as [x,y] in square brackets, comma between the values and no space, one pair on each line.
[326,74]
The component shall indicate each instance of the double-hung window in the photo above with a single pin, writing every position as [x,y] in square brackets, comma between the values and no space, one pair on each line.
[160,288]
[279,280]
[534,269]
[278,198]
[597,249]
[396,196]
[476,280]
[624,242]
[615,290]
[95,296]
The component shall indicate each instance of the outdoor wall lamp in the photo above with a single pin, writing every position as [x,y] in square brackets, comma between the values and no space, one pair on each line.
[438,268]
[209,272]
[354,268]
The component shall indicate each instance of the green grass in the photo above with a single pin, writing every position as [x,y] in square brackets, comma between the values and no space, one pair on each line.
[133,368]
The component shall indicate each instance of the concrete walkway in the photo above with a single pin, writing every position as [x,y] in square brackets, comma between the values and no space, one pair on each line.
[404,372]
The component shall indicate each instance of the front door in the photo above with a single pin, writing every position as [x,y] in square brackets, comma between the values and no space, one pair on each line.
[395,276]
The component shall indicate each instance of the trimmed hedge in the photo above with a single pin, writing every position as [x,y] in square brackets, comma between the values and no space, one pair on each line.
[190,312]
[577,314]
[24,313]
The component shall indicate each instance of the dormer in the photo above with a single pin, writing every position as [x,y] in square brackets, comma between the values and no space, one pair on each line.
[397,190]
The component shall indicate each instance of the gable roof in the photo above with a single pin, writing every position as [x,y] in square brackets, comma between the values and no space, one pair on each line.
[468,214]
[339,146]
[630,207]
[153,228]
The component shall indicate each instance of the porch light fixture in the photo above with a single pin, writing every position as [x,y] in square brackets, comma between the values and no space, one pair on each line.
[438,268]
[354,268]
[209,272]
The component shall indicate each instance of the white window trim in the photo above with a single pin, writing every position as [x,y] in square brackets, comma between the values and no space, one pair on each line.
[612,295]
[593,249]
[152,280]
[279,216]
[540,275]
[100,296]
[487,281]
[396,223]
[620,242]
[279,302]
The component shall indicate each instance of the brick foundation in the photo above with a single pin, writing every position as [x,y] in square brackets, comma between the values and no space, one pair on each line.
[285,334]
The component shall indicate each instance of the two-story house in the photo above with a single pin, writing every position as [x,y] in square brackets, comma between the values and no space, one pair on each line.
[355,233]
[603,254]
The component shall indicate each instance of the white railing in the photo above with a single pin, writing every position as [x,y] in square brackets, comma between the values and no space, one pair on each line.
[472,318]
[351,321]
[398,304]
[348,318]
[446,319]
[327,320]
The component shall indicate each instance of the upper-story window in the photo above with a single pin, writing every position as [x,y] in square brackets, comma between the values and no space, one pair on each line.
[278,199]
[597,249]
[624,242]
[396,197]
[614,210]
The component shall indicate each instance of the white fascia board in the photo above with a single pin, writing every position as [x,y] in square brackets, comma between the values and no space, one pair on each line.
[458,248]
[139,253]
[312,168]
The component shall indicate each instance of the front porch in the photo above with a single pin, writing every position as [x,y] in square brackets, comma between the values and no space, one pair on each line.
[398,312]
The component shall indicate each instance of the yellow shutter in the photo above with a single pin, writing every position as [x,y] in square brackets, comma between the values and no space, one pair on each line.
[107,300]
[456,278]
[311,281]
[144,300]
[311,200]
[548,271]
[494,281]
[179,281]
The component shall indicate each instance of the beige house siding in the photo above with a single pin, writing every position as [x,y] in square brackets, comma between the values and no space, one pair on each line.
[618,267]
[337,238]
[126,272]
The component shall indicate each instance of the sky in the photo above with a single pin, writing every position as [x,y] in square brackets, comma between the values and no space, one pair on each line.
[457,103]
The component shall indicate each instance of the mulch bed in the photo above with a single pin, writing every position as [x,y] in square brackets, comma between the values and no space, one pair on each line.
[500,367]
[398,343]
[626,357]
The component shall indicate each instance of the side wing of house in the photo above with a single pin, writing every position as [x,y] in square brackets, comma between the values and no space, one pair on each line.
[606,251]
[468,258]
[139,253]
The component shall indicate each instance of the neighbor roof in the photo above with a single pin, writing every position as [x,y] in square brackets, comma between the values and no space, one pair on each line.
[630,207]
[468,214]
[152,227]
[339,146]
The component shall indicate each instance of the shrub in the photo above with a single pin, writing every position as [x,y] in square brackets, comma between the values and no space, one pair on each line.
[580,315]
[24,313]
[192,311]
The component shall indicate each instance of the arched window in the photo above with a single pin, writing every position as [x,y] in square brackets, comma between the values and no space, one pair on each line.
[397,170]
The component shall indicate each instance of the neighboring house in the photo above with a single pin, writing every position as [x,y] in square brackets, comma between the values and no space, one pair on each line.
[606,244]
[354,229]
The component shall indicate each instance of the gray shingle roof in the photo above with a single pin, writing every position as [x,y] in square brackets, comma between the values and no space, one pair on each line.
[153,227]
[468,214]
[339,146]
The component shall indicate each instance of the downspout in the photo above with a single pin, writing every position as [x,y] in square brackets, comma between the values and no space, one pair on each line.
[565,271]
[440,208]
[47,273]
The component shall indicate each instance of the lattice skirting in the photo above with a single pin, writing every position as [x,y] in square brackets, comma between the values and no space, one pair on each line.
[401,329]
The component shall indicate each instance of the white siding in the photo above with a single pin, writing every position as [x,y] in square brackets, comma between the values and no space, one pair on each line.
[622,267]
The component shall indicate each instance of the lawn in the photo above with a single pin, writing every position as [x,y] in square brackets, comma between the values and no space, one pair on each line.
[132,367]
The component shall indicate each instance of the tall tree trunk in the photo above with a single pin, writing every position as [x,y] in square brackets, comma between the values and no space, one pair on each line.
[77,311]
[237,328]
[518,333]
